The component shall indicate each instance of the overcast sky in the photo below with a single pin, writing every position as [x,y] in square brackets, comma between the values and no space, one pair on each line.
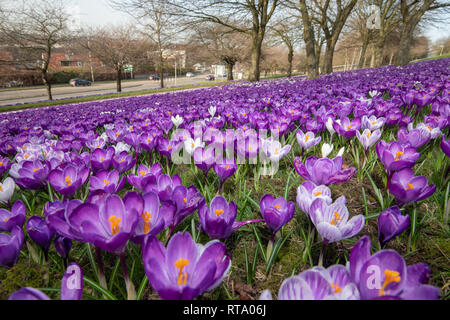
[98,12]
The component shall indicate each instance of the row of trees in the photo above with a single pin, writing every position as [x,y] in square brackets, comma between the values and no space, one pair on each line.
[230,30]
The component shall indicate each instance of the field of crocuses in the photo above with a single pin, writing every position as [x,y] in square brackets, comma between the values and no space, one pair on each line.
[290,189]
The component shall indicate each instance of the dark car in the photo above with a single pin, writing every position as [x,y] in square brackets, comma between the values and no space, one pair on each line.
[210,77]
[154,77]
[79,82]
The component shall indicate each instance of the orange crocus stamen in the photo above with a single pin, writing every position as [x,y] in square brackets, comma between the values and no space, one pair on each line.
[182,277]
[218,212]
[337,217]
[114,224]
[336,288]
[398,154]
[147,217]
[277,206]
[68,181]
[410,187]
[390,276]
[317,194]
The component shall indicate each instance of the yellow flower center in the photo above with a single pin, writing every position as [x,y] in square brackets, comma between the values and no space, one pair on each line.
[336,288]
[277,206]
[317,194]
[68,181]
[106,182]
[410,187]
[218,212]
[390,276]
[227,166]
[398,154]
[36,170]
[1,189]
[374,123]
[1,163]
[117,133]
[149,140]
[180,264]
[142,172]
[348,127]
[102,159]
[369,134]
[147,217]
[26,156]
[169,147]
[307,138]
[337,217]
[114,224]
[185,200]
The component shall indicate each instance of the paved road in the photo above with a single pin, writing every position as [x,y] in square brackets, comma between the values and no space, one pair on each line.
[34,95]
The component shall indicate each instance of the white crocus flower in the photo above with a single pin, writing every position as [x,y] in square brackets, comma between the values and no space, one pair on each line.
[177,121]
[7,190]
[326,149]
[373,93]
[329,125]
[212,111]
[104,137]
[119,147]
[341,152]
[190,145]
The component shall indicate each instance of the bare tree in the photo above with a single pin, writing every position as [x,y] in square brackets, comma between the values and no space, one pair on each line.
[158,22]
[115,46]
[411,14]
[246,16]
[35,28]
[312,46]
[226,45]
[287,30]
[331,17]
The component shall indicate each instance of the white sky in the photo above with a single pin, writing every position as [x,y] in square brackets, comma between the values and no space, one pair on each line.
[98,12]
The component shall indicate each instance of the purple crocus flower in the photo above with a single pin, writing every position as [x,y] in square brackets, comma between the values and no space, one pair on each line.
[71,287]
[145,176]
[415,137]
[372,123]
[276,212]
[347,128]
[63,246]
[10,246]
[331,221]
[185,269]
[108,224]
[385,275]
[102,159]
[5,165]
[68,180]
[218,221]
[307,192]
[395,156]
[307,140]
[15,217]
[154,215]
[317,283]
[110,182]
[368,138]
[30,174]
[39,231]
[187,200]
[391,223]
[323,171]
[225,169]
[123,161]
[408,188]
[204,159]
[445,146]
[165,186]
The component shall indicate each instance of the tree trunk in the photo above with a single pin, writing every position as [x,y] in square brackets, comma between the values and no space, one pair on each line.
[119,79]
[328,58]
[379,53]
[47,83]
[256,56]
[290,59]
[362,55]
[230,71]
[312,67]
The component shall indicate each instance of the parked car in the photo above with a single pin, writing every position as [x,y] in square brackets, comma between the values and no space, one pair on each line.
[210,77]
[154,77]
[79,82]
[190,74]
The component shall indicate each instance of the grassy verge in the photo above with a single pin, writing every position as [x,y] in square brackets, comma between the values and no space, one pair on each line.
[433,58]
[104,97]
